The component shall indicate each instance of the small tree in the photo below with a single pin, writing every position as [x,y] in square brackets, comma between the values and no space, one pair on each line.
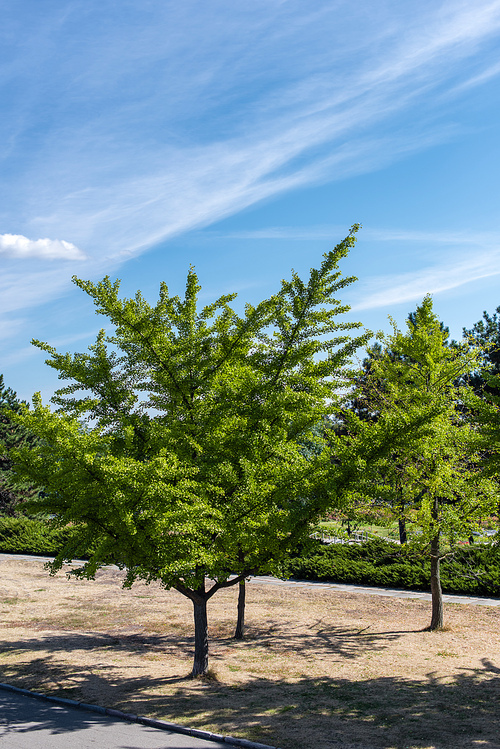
[176,446]
[364,402]
[484,413]
[436,472]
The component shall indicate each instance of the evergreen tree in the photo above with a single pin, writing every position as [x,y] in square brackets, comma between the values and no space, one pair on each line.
[13,492]
[485,334]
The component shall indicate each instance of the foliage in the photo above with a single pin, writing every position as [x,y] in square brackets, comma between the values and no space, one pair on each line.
[434,480]
[25,535]
[483,411]
[485,334]
[188,464]
[443,460]
[12,435]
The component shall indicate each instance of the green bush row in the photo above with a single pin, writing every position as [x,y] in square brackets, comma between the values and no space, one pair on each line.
[24,535]
[469,571]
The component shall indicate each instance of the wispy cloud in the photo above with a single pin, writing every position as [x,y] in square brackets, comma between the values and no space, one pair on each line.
[332,232]
[17,246]
[465,256]
[134,140]
[454,269]
[27,352]
[390,290]
[289,233]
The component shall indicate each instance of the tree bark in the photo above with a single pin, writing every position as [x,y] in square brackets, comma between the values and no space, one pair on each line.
[240,624]
[200,665]
[403,538]
[436,591]
[200,597]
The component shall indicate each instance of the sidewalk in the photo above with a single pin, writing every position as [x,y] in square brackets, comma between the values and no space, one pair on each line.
[35,723]
[367,591]
[341,587]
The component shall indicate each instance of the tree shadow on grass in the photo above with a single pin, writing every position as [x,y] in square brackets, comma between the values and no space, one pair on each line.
[459,712]
[344,642]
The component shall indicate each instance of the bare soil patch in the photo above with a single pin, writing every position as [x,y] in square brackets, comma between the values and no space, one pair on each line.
[317,669]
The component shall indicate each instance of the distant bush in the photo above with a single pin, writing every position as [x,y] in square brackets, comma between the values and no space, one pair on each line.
[25,535]
[470,570]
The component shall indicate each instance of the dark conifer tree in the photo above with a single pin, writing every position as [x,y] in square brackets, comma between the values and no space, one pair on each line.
[486,333]
[12,435]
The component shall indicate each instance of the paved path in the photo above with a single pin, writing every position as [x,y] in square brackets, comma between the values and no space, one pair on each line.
[268,580]
[391,592]
[29,723]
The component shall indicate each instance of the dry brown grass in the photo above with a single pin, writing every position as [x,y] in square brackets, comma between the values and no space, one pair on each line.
[318,668]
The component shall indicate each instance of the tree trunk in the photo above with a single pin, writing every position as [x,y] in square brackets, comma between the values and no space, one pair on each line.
[240,624]
[436,591]
[200,665]
[403,538]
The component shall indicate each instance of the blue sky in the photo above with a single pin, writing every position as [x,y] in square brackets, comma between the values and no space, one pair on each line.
[245,138]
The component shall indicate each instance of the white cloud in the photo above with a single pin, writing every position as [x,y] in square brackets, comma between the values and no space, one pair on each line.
[389,290]
[17,246]
[120,189]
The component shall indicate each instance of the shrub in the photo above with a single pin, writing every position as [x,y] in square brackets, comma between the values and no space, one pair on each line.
[470,570]
[25,535]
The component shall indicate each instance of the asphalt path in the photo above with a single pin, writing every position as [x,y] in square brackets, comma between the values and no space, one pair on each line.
[367,591]
[30,723]
[314,585]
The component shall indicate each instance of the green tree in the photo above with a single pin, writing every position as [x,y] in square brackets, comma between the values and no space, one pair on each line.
[12,492]
[176,445]
[436,474]
[364,402]
[483,410]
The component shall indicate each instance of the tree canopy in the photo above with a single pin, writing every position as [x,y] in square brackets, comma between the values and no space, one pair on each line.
[176,447]
[485,334]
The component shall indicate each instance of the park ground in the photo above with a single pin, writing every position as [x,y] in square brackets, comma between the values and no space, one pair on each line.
[318,668]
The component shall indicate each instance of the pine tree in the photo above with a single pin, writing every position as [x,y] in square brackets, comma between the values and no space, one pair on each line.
[13,492]
[485,334]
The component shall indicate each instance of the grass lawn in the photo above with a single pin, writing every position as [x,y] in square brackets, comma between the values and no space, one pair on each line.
[318,669]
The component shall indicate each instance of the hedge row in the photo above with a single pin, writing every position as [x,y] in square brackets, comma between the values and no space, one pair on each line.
[24,535]
[471,570]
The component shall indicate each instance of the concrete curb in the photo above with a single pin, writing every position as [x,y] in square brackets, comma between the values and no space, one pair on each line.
[163,725]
